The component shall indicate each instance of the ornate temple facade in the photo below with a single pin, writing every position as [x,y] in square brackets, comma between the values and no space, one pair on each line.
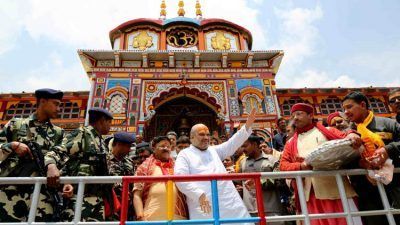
[169,74]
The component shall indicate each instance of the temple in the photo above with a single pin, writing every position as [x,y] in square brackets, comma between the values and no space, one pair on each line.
[171,73]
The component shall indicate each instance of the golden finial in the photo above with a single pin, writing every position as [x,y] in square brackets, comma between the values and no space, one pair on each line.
[198,9]
[163,12]
[181,11]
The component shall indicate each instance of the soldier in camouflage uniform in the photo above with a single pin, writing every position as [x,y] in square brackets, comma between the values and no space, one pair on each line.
[17,160]
[87,153]
[120,164]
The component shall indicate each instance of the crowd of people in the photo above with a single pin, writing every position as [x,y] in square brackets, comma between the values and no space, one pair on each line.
[34,146]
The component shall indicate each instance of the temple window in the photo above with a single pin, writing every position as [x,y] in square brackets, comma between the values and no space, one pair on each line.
[331,105]
[68,110]
[377,105]
[252,102]
[267,91]
[287,105]
[20,110]
[117,104]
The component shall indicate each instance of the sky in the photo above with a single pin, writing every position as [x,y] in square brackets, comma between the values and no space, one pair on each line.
[329,43]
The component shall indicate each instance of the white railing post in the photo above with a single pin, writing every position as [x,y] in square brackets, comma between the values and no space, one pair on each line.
[79,201]
[298,175]
[385,203]
[343,198]
[302,199]
[34,202]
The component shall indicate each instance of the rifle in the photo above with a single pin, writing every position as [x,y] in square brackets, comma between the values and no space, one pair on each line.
[55,197]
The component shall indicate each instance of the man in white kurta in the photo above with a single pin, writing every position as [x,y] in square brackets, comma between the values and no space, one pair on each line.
[200,158]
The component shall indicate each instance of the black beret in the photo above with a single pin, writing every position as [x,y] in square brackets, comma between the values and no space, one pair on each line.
[124,137]
[48,93]
[97,110]
[142,145]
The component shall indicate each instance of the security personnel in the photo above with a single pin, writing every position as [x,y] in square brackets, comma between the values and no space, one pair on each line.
[119,162]
[23,144]
[87,154]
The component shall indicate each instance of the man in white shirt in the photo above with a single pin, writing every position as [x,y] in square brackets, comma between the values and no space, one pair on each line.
[200,158]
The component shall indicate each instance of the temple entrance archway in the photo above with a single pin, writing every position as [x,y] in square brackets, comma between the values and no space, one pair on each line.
[179,115]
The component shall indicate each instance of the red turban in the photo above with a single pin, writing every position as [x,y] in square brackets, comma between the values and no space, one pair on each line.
[331,116]
[302,107]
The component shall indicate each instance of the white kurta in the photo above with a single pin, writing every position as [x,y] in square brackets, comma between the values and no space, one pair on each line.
[194,161]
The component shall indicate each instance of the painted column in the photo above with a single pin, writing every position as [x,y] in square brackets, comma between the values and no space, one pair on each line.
[277,106]
[90,100]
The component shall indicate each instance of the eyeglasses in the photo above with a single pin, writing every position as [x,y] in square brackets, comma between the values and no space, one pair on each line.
[394,100]
[163,147]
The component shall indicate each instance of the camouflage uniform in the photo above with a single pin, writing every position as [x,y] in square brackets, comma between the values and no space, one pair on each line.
[122,167]
[84,148]
[15,200]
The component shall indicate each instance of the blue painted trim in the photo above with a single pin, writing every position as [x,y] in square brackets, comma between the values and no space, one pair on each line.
[215,202]
[207,221]
[242,220]
[181,19]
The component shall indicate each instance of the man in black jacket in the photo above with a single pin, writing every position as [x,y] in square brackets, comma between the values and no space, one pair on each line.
[357,110]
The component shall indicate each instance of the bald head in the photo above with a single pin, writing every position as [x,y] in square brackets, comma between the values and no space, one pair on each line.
[196,128]
[200,136]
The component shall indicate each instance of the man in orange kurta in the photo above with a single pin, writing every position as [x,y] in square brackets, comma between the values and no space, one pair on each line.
[322,194]
[150,199]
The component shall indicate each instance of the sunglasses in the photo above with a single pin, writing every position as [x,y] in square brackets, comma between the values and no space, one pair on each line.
[394,100]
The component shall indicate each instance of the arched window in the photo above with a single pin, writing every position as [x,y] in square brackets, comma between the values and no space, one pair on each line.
[331,105]
[251,102]
[263,106]
[117,104]
[68,110]
[20,110]
[287,105]
[377,105]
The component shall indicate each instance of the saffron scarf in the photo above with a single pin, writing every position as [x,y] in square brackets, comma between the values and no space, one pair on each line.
[371,140]
[166,167]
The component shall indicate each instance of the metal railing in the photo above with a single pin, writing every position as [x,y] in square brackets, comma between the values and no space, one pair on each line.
[262,219]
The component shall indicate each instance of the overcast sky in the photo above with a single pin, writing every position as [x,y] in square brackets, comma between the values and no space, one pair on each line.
[329,43]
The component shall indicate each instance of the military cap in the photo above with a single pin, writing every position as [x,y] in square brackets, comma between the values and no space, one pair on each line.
[48,93]
[124,137]
[97,110]
[142,145]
